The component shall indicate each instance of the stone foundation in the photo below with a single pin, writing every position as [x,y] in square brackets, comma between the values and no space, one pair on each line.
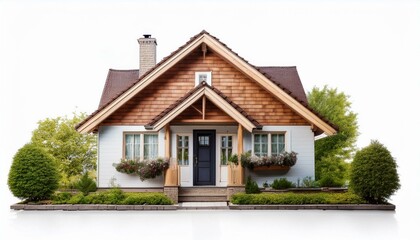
[234,189]
[172,193]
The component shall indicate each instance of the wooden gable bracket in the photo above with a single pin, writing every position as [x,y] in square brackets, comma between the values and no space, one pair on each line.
[204,50]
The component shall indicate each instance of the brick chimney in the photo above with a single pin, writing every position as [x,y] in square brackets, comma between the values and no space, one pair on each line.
[147,53]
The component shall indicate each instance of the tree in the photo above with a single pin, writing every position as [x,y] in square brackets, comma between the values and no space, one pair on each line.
[74,152]
[374,173]
[331,152]
[33,174]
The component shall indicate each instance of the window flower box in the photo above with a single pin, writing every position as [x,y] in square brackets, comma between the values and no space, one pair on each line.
[279,162]
[145,169]
[271,168]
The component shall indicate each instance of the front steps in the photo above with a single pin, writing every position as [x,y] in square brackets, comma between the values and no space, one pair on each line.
[202,194]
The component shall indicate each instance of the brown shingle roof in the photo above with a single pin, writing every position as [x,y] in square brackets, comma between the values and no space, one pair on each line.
[117,82]
[200,86]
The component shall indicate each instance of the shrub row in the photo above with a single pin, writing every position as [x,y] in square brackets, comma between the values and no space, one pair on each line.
[297,198]
[113,196]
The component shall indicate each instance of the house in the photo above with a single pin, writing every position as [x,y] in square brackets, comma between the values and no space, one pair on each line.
[197,107]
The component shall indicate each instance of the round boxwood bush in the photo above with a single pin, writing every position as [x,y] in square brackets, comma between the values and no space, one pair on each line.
[33,174]
[374,174]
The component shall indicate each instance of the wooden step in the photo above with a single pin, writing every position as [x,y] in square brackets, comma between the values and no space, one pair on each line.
[202,194]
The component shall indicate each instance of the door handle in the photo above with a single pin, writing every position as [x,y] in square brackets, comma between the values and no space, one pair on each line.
[195,160]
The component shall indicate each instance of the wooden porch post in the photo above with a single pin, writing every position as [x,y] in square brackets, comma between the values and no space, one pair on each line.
[240,180]
[236,173]
[171,175]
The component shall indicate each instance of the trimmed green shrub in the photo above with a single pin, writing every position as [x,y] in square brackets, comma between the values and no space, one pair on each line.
[374,173]
[282,183]
[251,186]
[86,184]
[329,180]
[33,174]
[297,198]
[147,199]
[113,196]
[61,197]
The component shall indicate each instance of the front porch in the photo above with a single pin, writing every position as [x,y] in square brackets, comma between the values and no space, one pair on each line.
[199,171]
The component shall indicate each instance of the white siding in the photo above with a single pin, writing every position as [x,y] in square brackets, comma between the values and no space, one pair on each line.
[110,146]
[299,139]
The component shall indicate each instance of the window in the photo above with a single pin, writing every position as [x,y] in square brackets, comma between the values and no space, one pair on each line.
[269,144]
[182,150]
[203,141]
[225,149]
[140,146]
[277,144]
[150,146]
[202,77]
[132,146]
[260,145]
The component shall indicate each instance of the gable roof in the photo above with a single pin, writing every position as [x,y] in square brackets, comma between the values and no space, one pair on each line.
[216,96]
[297,101]
[118,81]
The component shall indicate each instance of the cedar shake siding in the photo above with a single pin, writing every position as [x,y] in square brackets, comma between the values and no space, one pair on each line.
[180,79]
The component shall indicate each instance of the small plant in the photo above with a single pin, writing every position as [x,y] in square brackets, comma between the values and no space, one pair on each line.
[265,184]
[251,186]
[86,184]
[33,174]
[281,183]
[374,173]
[308,182]
[233,159]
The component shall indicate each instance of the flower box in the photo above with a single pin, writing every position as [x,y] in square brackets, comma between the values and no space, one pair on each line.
[271,168]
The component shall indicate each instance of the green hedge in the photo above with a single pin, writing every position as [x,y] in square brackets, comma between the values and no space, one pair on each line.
[113,196]
[296,198]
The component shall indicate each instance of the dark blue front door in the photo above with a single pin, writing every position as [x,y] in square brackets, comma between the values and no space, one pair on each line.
[204,157]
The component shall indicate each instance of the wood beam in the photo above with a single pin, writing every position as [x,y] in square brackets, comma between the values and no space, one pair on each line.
[171,174]
[167,141]
[204,107]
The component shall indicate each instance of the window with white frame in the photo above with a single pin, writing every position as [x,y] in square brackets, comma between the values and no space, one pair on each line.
[140,146]
[268,144]
[150,146]
[260,145]
[202,77]
[183,150]
[225,149]
[277,144]
[132,146]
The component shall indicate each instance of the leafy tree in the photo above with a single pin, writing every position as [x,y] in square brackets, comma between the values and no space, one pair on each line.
[33,174]
[374,173]
[331,152]
[74,152]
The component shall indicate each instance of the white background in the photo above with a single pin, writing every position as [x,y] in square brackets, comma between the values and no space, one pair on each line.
[54,57]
